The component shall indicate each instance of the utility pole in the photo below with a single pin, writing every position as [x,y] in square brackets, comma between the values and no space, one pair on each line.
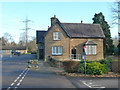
[26,21]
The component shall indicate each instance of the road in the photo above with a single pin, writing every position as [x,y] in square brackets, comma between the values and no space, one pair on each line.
[15,74]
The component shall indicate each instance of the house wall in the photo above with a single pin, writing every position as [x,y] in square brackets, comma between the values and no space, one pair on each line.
[77,43]
[49,42]
[22,51]
[5,52]
[68,44]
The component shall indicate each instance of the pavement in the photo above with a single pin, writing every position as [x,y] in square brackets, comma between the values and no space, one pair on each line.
[15,74]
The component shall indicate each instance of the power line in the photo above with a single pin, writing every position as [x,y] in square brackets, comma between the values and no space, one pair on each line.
[26,21]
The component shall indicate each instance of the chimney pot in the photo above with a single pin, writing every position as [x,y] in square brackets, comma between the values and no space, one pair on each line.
[53,19]
[54,16]
[81,21]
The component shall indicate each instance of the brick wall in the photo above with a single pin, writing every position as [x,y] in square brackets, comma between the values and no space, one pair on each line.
[78,45]
[68,44]
[49,42]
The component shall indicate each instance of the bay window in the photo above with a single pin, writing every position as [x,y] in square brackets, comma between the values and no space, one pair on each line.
[90,49]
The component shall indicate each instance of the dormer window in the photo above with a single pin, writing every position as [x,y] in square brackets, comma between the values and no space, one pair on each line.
[56,36]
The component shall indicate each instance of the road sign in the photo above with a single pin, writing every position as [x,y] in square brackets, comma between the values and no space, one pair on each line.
[84,51]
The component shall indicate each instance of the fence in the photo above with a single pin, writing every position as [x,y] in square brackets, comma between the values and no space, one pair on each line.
[76,56]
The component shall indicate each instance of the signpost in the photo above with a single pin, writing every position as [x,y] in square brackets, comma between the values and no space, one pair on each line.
[84,50]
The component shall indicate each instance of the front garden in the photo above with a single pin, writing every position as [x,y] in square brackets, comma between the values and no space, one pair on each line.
[101,67]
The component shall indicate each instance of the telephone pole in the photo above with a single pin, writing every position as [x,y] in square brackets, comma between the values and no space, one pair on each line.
[26,21]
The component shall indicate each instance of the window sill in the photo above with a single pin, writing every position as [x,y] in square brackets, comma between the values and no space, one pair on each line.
[56,54]
[57,40]
[91,55]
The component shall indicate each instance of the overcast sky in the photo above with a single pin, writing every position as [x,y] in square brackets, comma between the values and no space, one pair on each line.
[13,13]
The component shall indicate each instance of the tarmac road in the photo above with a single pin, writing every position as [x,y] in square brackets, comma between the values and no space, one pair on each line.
[15,74]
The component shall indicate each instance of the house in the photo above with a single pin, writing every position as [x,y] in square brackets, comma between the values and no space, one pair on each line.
[65,41]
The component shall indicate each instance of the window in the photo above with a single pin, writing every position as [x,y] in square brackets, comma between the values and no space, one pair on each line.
[90,49]
[57,50]
[8,52]
[3,51]
[56,35]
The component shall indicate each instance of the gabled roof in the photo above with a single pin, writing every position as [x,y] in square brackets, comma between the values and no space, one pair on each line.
[40,36]
[13,47]
[81,30]
[58,22]
[90,43]
[75,30]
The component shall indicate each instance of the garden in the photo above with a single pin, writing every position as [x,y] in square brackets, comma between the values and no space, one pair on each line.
[101,67]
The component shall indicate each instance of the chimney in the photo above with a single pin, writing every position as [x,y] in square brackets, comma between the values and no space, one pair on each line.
[81,21]
[53,19]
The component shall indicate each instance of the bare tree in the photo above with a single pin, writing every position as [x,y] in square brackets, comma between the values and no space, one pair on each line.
[8,37]
[32,45]
[4,42]
[7,40]
[22,39]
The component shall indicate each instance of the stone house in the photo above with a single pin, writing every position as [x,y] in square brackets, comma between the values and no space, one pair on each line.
[65,41]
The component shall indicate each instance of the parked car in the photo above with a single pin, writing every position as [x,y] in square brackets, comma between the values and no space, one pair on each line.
[15,52]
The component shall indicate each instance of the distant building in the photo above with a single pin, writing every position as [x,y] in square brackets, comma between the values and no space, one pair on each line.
[6,50]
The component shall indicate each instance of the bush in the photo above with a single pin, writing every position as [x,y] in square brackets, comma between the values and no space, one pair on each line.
[81,67]
[107,62]
[71,66]
[33,52]
[93,68]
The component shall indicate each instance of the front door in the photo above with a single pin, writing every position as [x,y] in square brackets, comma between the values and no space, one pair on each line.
[41,54]
[74,53]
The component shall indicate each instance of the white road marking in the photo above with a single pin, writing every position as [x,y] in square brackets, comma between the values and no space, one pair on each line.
[26,69]
[90,83]
[22,78]
[86,84]
[92,86]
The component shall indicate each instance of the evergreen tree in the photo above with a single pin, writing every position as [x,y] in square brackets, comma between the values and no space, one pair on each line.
[107,42]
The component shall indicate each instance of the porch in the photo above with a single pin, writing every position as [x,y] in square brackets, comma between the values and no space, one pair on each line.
[77,57]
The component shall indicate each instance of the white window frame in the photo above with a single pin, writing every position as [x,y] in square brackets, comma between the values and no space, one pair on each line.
[57,50]
[91,50]
[56,36]
[3,51]
[8,52]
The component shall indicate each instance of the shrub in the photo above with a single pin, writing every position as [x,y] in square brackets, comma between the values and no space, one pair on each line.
[93,68]
[81,67]
[71,66]
[107,62]
[33,52]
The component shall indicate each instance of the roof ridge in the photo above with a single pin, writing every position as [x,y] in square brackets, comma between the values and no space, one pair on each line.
[79,23]
[41,30]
